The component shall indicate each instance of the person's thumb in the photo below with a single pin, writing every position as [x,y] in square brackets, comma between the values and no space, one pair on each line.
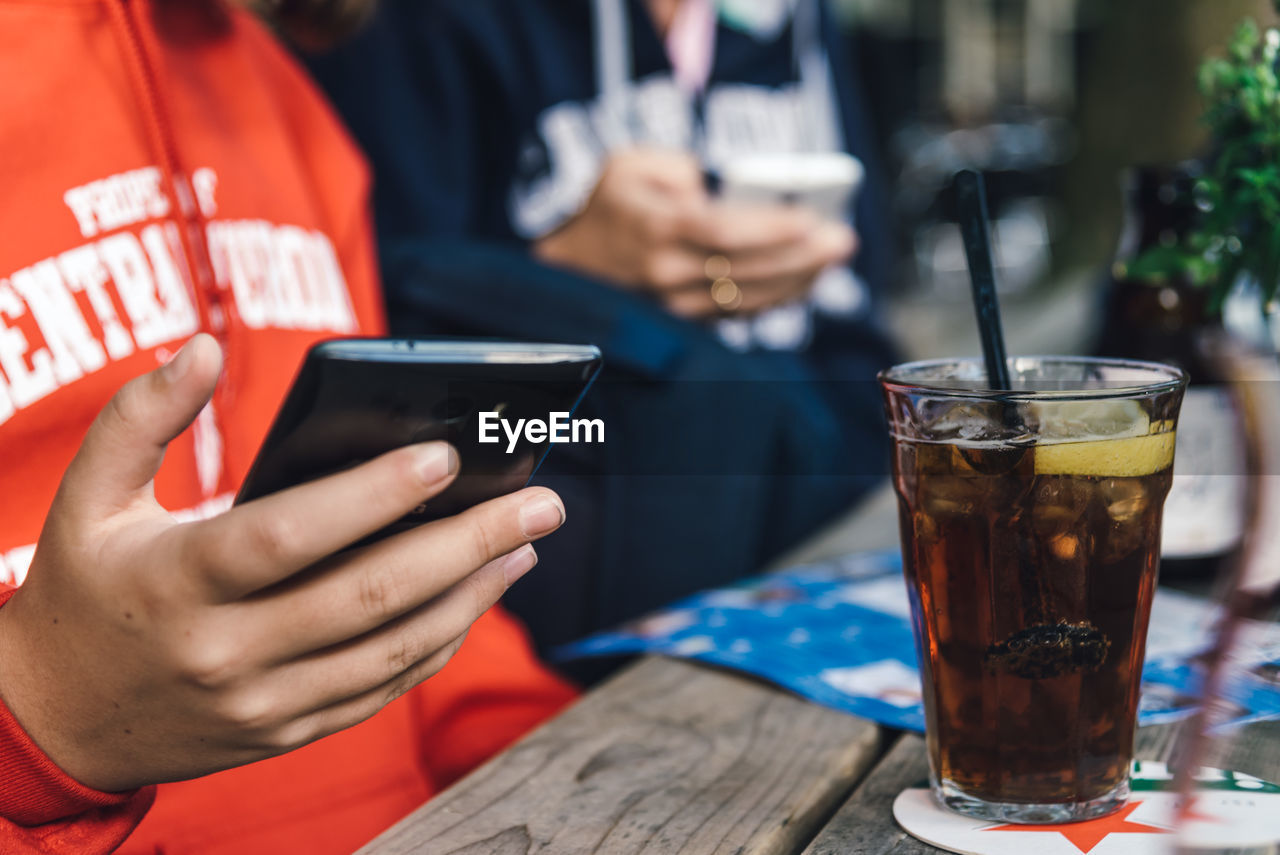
[126,443]
[670,172]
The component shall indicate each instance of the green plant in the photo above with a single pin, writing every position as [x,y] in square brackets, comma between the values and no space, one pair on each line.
[1239,192]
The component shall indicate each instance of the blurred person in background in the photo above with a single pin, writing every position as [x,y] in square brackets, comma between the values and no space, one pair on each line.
[171,176]
[541,171]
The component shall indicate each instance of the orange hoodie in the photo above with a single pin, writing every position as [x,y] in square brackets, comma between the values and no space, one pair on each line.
[167,168]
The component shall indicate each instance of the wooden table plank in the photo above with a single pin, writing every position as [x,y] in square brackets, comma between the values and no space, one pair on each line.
[1254,750]
[864,824]
[666,757]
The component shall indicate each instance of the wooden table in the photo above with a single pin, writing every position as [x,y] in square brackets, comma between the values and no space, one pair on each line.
[670,757]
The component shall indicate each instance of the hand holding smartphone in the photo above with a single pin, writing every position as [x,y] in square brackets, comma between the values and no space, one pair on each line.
[357,398]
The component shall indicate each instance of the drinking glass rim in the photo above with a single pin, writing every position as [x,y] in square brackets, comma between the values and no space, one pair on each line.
[1174,378]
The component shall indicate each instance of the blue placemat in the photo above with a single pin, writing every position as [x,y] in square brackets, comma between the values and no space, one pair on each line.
[839,633]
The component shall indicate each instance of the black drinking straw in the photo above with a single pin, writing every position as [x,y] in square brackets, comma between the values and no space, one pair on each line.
[971,201]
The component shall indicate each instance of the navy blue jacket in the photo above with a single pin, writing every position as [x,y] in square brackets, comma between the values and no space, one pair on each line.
[715,459]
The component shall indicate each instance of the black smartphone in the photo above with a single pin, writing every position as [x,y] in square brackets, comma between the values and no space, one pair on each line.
[356,398]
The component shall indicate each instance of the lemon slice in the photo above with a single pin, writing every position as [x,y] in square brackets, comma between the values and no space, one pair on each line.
[1078,419]
[1123,457]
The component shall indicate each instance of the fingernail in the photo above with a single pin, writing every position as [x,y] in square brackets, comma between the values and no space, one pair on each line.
[517,563]
[435,461]
[540,516]
[177,366]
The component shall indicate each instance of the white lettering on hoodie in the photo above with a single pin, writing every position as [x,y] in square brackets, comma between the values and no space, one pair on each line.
[67,316]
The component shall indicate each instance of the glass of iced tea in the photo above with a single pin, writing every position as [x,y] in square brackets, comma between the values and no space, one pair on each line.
[1030,524]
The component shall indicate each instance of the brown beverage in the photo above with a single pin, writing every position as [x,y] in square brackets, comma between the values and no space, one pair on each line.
[1030,536]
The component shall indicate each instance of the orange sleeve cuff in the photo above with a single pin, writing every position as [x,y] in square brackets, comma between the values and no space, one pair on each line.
[44,809]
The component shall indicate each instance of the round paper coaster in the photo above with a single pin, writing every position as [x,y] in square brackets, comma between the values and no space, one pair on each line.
[1230,810]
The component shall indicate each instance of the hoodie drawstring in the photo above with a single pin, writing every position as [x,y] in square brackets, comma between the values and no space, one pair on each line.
[614,70]
[128,20]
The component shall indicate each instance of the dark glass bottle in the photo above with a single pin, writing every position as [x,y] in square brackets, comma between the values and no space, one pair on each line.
[1166,319]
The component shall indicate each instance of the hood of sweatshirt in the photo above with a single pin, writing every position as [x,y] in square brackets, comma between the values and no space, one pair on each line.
[161,176]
